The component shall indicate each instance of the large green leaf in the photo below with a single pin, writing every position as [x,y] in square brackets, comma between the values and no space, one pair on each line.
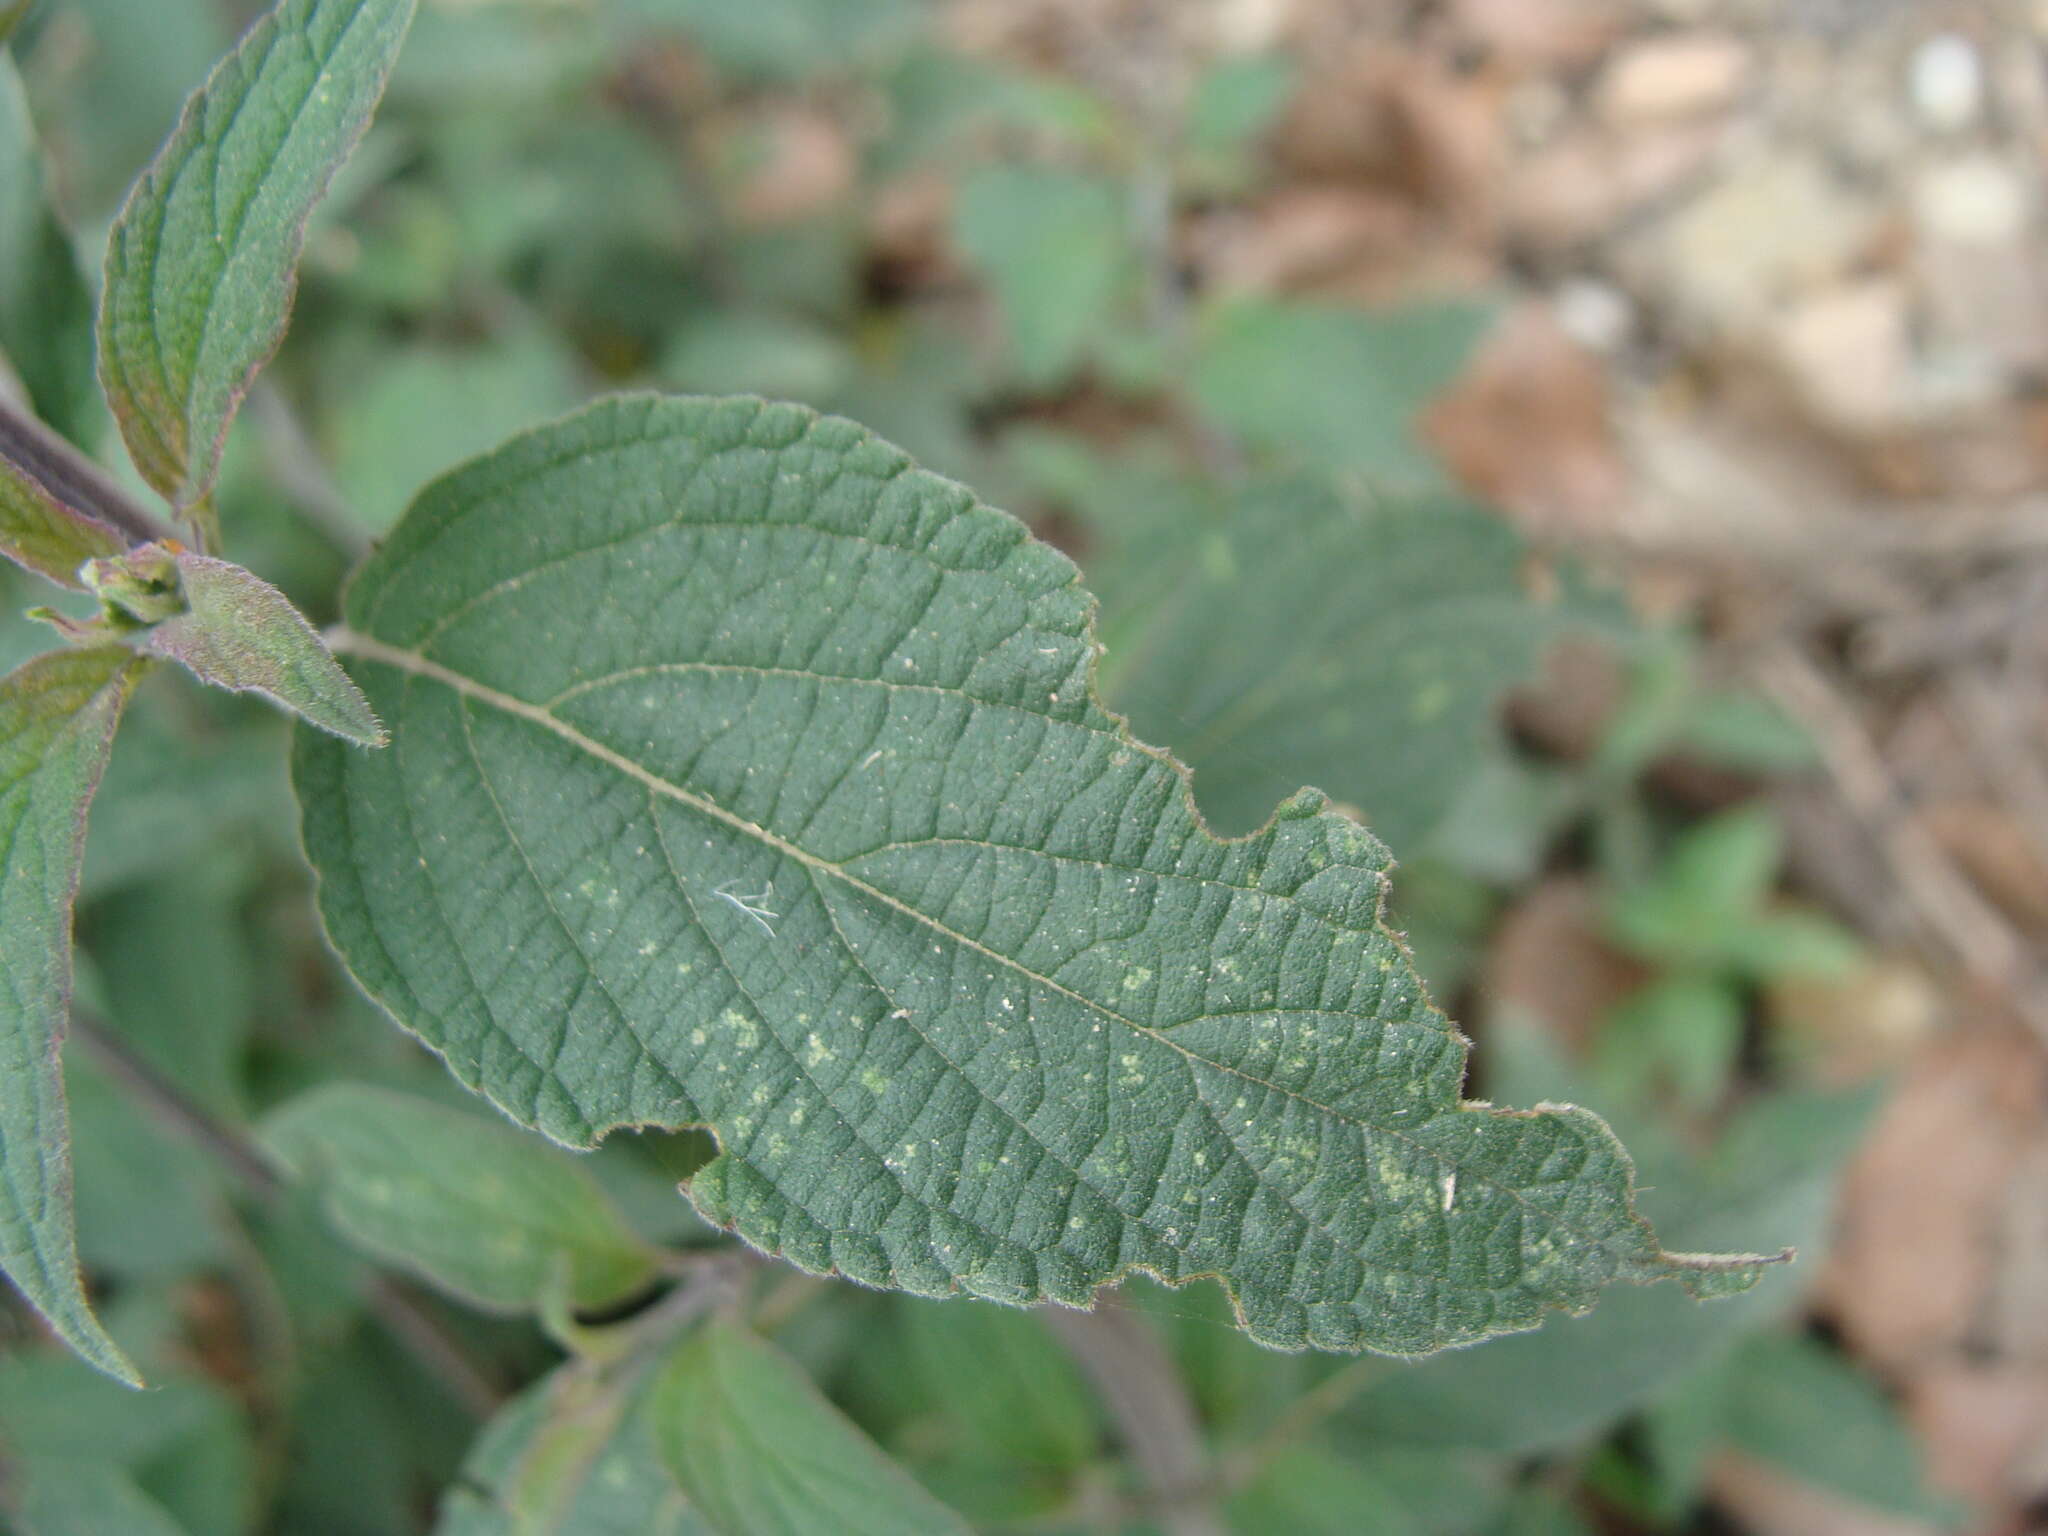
[45,308]
[1809,1411]
[57,719]
[486,1213]
[202,264]
[761,1452]
[744,775]
[1297,630]
[1771,1178]
[1332,386]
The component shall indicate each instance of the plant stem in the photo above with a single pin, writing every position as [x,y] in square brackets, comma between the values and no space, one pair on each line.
[72,478]
[1142,1388]
[404,1315]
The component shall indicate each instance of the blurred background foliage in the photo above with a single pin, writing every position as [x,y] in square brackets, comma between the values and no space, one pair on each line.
[988,248]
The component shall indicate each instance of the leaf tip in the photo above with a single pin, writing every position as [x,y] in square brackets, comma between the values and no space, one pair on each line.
[1713,1276]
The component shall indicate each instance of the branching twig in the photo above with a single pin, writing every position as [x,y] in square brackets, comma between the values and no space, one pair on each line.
[403,1314]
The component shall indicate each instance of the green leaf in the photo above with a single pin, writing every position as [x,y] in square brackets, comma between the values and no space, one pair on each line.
[1540,1512]
[1300,631]
[1044,1417]
[1236,100]
[1806,1410]
[1715,875]
[787,39]
[1054,246]
[1771,1177]
[85,1498]
[148,1205]
[748,777]
[401,421]
[238,632]
[57,719]
[573,1456]
[483,1212]
[45,493]
[202,263]
[1333,387]
[45,307]
[760,1451]
[1306,1491]
[1683,1030]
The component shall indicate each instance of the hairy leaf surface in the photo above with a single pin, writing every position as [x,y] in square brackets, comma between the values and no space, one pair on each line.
[45,491]
[744,775]
[202,264]
[57,719]
[240,633]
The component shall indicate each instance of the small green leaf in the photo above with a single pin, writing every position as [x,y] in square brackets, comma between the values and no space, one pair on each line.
[236,631]
[45,306]
[1236,100]
[1053,245]
[480,1210]
[57,719]
[573,1456]
[760,1452]
[1682,1031]
[43,490]
[203,261]
[1335,387]
[750,777]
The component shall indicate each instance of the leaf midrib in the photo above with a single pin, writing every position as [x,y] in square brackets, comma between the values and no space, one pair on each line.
[354,643]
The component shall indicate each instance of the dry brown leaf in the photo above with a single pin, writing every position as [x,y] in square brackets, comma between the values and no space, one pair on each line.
[801,164]
[1849,1029]
[1548,962]
[1766,1502]
[1527,428]
[1541,34]
[1589,181]
[1304,235]
[1996,851]
[1683,74]
[1911,1265]
[1977,1424]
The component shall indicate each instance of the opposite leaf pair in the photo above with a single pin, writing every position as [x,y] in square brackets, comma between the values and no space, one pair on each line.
[199,277]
